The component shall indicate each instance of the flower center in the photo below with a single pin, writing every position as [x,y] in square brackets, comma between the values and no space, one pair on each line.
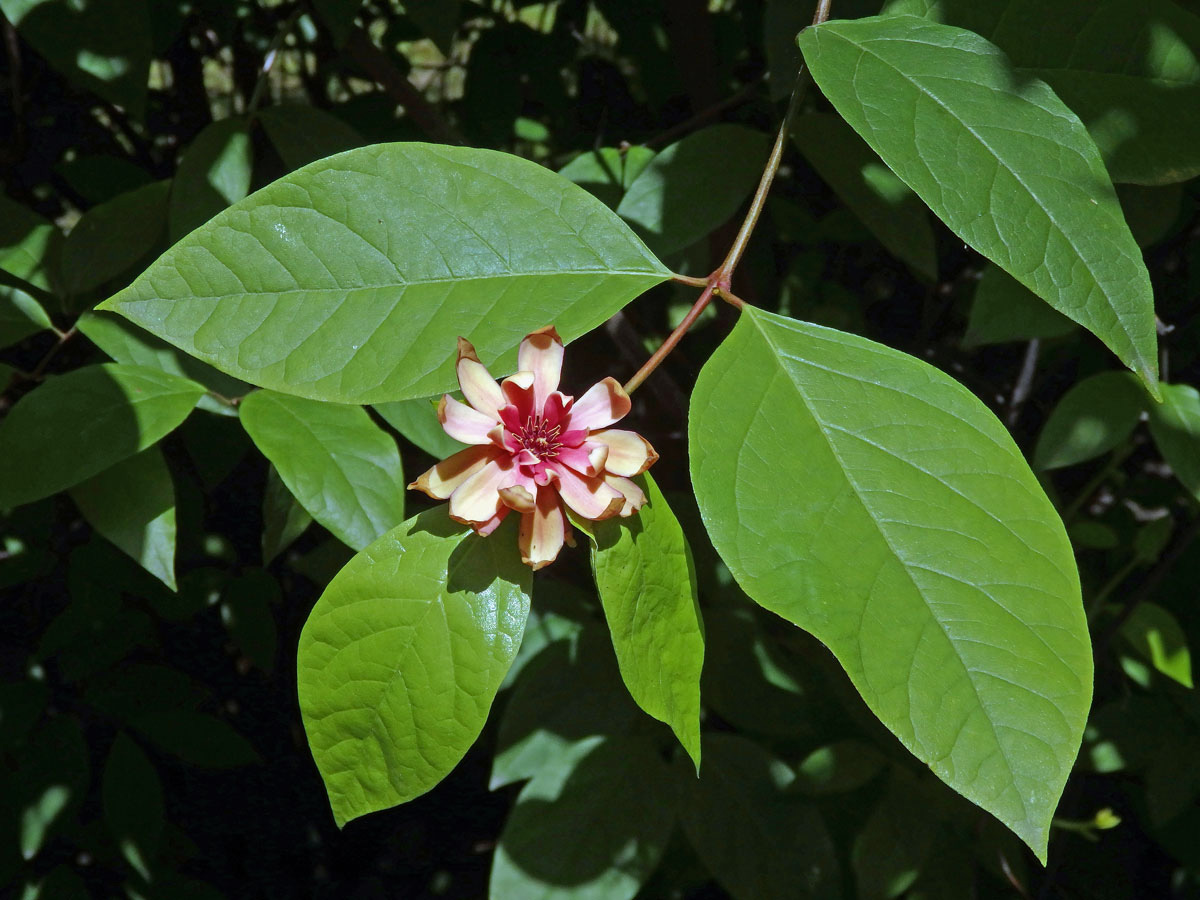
[539,438]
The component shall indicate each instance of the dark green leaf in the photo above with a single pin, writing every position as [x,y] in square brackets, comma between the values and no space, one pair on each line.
[29,248]
[304,134]
[1150,211]
[617,786]
[341,466]
[132,795]
[607,172]
[850,489]
[437,19]
[196,738]
[647,585]
[891,849]
[213,174]
[884,203]
[1001,160]
[132,504]
[758,841]
[284,519]
[101,45]
[298,289]
[49,780]
[1175,425]
[695,185]
[77,425]
[112,238]
[837,768]
[402,655]
[1157,636]
[1094,416]
[246,603]
[1003,310]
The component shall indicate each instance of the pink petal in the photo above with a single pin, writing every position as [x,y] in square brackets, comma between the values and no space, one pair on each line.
[590,497]
[478,498]
[588,459]
[634,497]
[483,529]
[518,498]
[604,403]
[477,384]
[441,480]
[518,391]
[542,354]
[463,423]
[555,410]
[628,452]
[542,531]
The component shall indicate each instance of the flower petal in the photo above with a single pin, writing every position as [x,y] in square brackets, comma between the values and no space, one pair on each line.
[464,423]
[518,392]
[483,529]
[542,354]
[634,496]
[604,403]
[542,531]
[440,481]
[478,498]
[588,459]
[628,452]
[518,498]
[477,384]
[592,498]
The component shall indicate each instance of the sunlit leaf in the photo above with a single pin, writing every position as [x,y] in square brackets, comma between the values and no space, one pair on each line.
[1158,637]
[214,173]
[1000,159]
[350,279]
[851,489]
[402,655]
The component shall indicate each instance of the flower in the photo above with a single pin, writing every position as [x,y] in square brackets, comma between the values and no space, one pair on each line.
[534,448]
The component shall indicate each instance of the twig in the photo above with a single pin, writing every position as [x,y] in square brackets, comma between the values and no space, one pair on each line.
[1024,383]
[672,339]
[704,116]
[376,64]
[260,84]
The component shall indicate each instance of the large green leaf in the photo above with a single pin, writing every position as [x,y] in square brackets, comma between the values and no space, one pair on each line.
[339,464]
[102,45]
[1000,159]
[695,185]
[133,505]
[1128,68]
[401,657]
[873,501]
[759,842]
[1175,426]
[79,424]
[647,585]
[886,205]
[350,279]
[618,786]
[213,174]
[418,421]
[1094,416]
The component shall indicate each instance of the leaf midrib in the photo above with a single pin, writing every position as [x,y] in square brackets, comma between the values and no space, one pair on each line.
[967,672]
[1003,164]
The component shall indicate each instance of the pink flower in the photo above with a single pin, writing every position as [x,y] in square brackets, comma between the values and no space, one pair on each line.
[534,448]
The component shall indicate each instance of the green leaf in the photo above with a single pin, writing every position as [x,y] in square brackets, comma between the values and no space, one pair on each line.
[401,657]
[132,504]
[884,203]
[338,463]
[49,780]
[838,768]
[101,45]
[891,849]
[695,185]
[284,519]
[873,501]
[607,172]
[1158,637]
[113,238]
[132,796]
[758,841]
[304,134]
[1128,68]
[647,584]
[1001,160]
[618,787]
[297,289]
[417,420]
[77,425]
[246,611]
[437,19]
[570,692]
[1175,426]
[196,738]
[1094,416]
[1150,211]
[214,173]
[29,251]
[125,342]
[1004,310]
